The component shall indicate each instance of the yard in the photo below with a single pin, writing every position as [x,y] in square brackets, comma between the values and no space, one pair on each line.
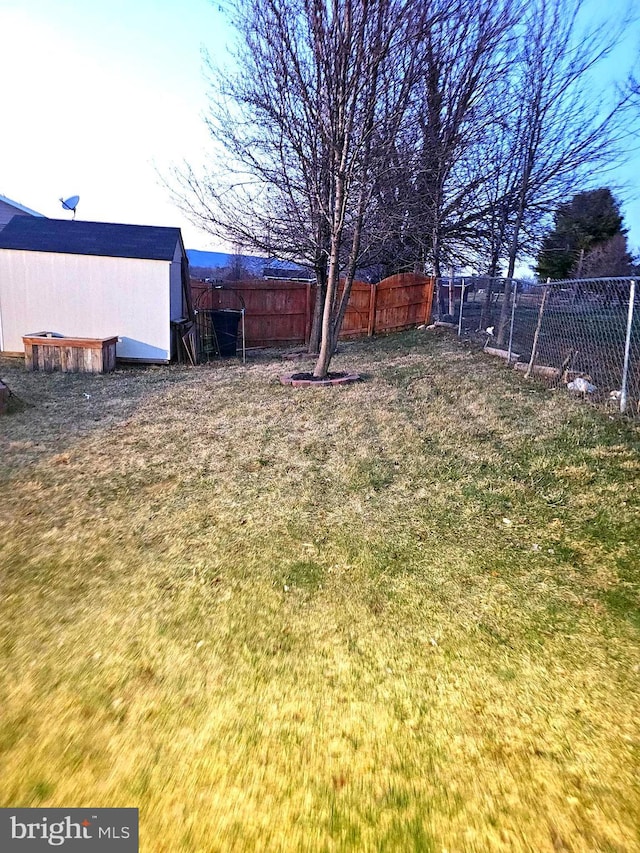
[400,615]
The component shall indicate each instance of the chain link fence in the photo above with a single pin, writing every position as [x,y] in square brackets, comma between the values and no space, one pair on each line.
[583,334]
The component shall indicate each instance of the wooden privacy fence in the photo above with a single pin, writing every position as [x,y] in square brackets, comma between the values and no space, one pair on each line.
[279,313]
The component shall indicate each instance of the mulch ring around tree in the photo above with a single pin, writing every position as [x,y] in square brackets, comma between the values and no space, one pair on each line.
[298,380]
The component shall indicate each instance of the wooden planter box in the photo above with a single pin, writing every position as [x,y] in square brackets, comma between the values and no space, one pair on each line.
[48,352]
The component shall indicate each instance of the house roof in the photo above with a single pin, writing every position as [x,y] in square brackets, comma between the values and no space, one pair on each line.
[71,237]
[288,273]
[20,207]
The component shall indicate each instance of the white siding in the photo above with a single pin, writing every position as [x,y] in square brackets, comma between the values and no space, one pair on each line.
[86,295]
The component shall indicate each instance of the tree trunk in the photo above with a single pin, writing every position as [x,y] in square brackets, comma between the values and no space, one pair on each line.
[316,321]
[505,309]
[505,313]
[321,291]
[328,343]
[486,314]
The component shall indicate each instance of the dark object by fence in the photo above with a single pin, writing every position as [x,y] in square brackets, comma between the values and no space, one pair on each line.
[49,352]
[225,323]
[218,332]
[279,313]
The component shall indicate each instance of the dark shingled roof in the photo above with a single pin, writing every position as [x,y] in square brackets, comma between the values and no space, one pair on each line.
[69,237]
[288,273]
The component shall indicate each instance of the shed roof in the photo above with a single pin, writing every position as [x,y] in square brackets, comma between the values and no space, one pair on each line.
[19,206]
[71,237]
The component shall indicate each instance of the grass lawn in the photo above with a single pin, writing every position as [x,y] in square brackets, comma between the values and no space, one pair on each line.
[400,615]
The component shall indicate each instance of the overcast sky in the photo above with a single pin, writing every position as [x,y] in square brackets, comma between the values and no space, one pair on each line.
[99,95]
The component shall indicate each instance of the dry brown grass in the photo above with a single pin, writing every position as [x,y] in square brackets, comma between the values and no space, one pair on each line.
[399,615]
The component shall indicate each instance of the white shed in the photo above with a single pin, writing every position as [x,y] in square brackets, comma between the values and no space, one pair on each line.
[93,280]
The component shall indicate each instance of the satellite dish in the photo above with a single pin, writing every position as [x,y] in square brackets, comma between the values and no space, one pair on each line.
[71,203]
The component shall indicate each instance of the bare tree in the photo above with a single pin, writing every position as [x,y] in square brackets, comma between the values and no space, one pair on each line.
[506,122]
[437,166]
[304,124]
[367,68]
[561,131]
[466,56]
[399,133]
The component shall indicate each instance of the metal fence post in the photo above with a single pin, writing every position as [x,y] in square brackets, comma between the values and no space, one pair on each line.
[514,292]
[627,347]
[461,304]
[452,293]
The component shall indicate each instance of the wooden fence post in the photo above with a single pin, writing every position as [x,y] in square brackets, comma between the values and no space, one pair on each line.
[428,298]
[371,325]
[536,334]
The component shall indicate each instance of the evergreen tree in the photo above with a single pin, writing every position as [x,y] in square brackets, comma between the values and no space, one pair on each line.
[588,221]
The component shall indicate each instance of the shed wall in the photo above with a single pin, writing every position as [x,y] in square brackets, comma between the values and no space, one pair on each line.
[86,296]
[177,306]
